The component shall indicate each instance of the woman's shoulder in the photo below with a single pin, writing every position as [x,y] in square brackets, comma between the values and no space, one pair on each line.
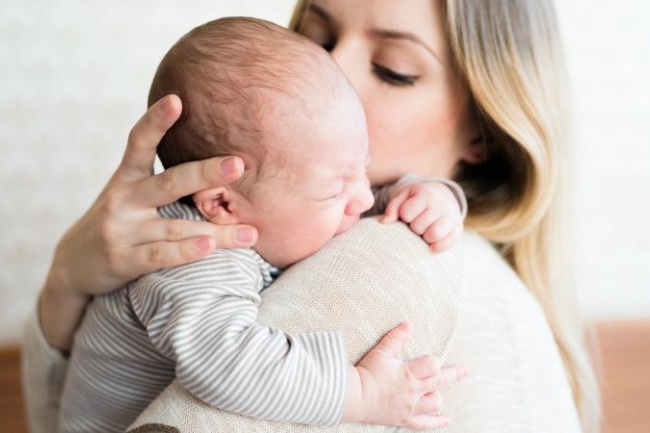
[394,247]
[377,275]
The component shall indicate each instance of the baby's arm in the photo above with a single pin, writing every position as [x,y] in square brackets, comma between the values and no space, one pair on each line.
[205,318]
[434,208]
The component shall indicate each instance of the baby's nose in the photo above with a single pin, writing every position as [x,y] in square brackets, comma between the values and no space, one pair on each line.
[362,201]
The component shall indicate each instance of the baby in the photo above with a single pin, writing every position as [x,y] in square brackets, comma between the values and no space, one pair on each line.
[252,89]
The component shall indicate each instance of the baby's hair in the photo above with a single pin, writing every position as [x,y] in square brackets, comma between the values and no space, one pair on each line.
[227,73]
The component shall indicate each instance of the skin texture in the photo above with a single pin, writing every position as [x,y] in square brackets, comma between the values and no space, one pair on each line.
[314,186]
[424,126]
[321,185]
[318,189]
[421,123]
[430,210]
[396,56]
[121,236]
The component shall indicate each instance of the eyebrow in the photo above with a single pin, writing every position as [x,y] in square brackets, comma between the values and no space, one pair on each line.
[405,36]
[320,12]
[379,33]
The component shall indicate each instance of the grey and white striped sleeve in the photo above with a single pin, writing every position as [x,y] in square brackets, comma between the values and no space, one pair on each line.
[204,316]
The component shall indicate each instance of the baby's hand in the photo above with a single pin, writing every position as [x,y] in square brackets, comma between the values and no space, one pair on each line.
[431,210]
[392,392]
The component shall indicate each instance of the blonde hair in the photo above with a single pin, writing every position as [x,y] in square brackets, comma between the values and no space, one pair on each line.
[509,55]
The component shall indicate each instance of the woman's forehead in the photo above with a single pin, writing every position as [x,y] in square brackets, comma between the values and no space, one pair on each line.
[419,21]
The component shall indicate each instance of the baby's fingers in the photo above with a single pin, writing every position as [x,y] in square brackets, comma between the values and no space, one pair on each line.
[392,210]
[424,367]
[427,422]
[412,209]
[439,229]
[447,376]
[450,375]
[429,404]
[392,343]
[446,242]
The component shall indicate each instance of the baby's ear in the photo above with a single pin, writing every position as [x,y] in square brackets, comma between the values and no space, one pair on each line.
[213,205]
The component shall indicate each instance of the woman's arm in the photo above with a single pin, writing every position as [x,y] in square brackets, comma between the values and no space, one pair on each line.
[118,239]
[121,236]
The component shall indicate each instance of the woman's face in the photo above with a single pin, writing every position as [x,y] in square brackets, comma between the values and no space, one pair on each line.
[395,54]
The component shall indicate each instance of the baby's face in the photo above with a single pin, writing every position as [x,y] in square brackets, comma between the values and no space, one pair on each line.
[321,187]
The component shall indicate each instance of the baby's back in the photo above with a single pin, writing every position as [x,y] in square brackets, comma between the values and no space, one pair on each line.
[114,371]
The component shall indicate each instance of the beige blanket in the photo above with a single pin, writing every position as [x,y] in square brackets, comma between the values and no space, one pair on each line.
[466,305]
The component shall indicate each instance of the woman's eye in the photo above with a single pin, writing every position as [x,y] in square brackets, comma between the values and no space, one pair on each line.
[319,35]
[327,44]
[391,77]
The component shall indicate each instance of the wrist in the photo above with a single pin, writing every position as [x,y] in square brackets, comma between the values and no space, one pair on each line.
[60,311]
[354,409]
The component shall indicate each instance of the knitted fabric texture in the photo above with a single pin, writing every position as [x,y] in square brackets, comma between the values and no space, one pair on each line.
[466,306]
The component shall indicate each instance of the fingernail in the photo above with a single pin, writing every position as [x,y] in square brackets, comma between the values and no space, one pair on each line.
[245,235]
[228,165]
[204,244]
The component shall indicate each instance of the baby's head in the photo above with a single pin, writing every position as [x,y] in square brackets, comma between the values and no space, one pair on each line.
[254,89]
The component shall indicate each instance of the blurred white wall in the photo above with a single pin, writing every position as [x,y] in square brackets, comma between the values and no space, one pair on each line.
[608,52]
[74,77]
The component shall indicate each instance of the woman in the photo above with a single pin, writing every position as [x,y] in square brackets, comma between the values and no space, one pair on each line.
[465,89]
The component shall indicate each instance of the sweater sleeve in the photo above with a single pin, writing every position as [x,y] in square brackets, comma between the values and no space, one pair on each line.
[43,372]
[204,317]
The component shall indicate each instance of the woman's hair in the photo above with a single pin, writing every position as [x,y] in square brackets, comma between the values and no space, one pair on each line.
[509,55]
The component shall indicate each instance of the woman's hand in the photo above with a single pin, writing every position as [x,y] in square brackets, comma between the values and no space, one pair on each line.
[122,237]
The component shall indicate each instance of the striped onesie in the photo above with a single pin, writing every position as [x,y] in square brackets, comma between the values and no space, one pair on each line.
[198,322]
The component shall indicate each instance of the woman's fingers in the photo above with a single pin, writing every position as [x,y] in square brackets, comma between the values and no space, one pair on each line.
[172,230]
[140,152]
[185,179]
[150,257]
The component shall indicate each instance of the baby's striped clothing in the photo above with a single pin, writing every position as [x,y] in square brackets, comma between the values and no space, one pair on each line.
[198,322]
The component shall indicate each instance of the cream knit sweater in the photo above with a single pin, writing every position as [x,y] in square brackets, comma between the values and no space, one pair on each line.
[466,306]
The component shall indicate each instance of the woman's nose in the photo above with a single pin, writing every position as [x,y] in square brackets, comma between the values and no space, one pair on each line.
[348,55]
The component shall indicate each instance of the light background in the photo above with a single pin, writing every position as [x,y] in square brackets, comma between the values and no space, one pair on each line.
[74,77]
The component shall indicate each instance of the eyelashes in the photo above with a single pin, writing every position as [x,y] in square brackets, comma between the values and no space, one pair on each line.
[383,73]
[392,77]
